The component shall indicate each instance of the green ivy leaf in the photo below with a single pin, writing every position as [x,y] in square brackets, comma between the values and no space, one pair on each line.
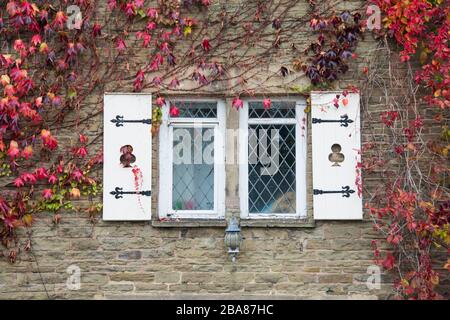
[141,13]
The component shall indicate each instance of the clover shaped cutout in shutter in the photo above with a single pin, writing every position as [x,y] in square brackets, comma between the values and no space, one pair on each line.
[336,137]
[127,164]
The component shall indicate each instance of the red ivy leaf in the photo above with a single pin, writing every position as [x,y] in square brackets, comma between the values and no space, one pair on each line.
[174,111]
[388,262]
[237,103]
[206,45]
[120,44]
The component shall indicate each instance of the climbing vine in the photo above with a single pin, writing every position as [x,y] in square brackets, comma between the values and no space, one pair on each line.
[411,208]
[59,57]
[329,55]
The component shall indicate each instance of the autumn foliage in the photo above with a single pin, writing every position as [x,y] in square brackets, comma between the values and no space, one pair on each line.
[422,27]
[412,208]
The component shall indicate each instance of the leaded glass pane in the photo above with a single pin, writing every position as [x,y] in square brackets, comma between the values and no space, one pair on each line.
[271,168]
[193,169]
[278,109]
[196,109]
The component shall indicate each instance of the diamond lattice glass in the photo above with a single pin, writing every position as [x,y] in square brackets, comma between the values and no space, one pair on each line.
[195,109]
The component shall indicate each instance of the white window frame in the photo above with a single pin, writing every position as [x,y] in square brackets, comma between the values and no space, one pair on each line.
[300,157]
[165,210]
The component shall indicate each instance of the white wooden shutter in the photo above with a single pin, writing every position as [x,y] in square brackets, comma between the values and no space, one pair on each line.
[127,121]
[336,134]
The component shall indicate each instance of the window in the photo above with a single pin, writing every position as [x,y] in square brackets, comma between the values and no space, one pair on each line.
[272,152]
[192,170]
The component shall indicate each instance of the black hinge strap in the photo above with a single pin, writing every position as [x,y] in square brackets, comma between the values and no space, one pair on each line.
[119,121]
[345,191]
[118,193]
[344,121]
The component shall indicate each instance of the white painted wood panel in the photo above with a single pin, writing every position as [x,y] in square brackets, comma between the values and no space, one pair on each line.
[334,176]
[129,207]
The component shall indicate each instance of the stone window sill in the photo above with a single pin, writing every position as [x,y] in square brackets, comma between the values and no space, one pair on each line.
[277,223]
[189,223]
[248,223]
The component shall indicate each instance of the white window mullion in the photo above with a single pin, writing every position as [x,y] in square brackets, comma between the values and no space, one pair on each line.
[243,160]
[271,121]
[193,120]
[219,158]
[300,159]
[169,173]
[165,165]
[216,165]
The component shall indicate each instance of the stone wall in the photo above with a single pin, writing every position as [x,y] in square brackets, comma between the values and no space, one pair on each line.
[138,260]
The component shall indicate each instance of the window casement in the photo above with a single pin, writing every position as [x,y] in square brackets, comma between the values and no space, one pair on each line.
[192,160]
[272,160]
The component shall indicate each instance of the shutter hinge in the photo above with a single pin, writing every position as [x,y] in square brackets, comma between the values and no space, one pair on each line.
[119,121]
[345,191]
[118,193]
[344,121]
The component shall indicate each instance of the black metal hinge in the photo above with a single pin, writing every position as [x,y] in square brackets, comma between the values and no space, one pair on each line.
[119,121]
[345,191]
[344,121]
[118,193]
